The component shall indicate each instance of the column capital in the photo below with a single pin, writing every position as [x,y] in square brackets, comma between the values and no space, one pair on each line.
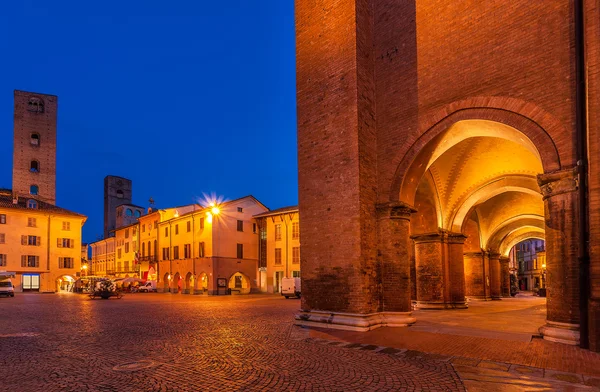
[504,259]
[558,182]
[493,255]
[440,236]
[395,210]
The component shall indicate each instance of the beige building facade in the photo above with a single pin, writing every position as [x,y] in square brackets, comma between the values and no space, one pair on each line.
[279,247]
[40,243]
[191,249]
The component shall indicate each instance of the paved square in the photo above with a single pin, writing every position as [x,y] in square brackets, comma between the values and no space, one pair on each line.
[164,342]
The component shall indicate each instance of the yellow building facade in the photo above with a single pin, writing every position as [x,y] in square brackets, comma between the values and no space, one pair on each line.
[40,243]
[190,249]
[279,247]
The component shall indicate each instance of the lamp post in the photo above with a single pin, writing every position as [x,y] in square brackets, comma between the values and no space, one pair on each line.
[212,216]
[543,275]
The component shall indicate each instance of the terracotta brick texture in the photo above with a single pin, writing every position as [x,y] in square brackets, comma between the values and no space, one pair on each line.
[378,80]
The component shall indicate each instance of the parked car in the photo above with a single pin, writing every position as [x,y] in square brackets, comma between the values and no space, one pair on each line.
[148,287]
[7,288]
[290,287]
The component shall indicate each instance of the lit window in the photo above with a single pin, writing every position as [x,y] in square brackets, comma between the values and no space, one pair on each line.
[34,189]
[34,167]
[32,204]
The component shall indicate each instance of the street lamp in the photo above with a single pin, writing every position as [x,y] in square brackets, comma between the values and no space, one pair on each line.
[544,275]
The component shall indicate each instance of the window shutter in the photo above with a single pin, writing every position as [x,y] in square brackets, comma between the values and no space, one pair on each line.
[23,261]
[23,240]
[59,242]
[39,241]
[72,243]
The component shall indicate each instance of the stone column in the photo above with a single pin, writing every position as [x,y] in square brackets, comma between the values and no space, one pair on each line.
[505,274]
[440,270]
[393,230]
[562,278]
[476,266]
[495,276]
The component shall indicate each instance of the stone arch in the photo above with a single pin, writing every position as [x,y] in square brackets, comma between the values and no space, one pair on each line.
[167,283]
[202,282]
[500,233]
[65,283]
[189,283]
[428,217]
[415,162]
[239,283]
[516,237]
[177,283]
[508,183]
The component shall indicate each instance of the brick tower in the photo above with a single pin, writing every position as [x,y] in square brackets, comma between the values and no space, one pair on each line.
[117,191]
[34,155]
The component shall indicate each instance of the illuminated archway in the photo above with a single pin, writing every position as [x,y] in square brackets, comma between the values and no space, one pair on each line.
[239,283]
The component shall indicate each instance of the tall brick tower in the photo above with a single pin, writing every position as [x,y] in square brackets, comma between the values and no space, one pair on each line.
[117,191]
[34,155]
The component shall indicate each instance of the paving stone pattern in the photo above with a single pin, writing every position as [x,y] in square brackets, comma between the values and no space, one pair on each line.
[164,342]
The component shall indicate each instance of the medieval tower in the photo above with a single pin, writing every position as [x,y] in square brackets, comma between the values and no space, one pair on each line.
[34,155]
[117,191]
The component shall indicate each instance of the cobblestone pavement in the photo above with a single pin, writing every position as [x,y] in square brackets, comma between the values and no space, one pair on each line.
[164,342]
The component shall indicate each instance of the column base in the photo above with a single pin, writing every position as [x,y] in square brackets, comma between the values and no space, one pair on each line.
[478,298]
[425,305]
[353,321]
[560,332]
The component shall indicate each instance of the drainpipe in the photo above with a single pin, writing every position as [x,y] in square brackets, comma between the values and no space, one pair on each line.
[287,274]
[583,255]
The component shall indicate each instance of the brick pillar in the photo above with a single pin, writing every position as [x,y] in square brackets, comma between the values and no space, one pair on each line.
[505,276]
[394,253]
[477,268]
[440,270]
[562,280]
[495,276]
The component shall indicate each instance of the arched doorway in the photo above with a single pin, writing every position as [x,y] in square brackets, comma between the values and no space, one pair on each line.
[167,283]
[189,284]
[203,283]
[239,284]
[177,284]
[484,184]
[65,284]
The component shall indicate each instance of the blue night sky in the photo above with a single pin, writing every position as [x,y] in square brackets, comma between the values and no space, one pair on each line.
[182,97]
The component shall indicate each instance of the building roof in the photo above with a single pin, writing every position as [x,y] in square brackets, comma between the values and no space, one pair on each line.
[6,201]
[131,205]
[278,211]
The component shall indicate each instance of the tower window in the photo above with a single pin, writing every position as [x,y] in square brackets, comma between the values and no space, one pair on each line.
[35,105]
[35,139]
[120,194]
[34,167]
[129,212]
[137,214]
[32,203]
[34,189]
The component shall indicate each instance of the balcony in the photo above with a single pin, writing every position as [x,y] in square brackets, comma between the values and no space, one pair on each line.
[151,259]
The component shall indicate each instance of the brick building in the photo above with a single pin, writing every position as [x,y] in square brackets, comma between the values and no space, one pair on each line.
[39,241]
[433,136]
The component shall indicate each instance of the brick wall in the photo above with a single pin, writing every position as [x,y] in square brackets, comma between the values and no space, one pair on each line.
[42,122]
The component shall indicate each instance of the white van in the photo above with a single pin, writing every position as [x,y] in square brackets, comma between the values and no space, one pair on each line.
[290,287]
[148,287]
[7,288]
